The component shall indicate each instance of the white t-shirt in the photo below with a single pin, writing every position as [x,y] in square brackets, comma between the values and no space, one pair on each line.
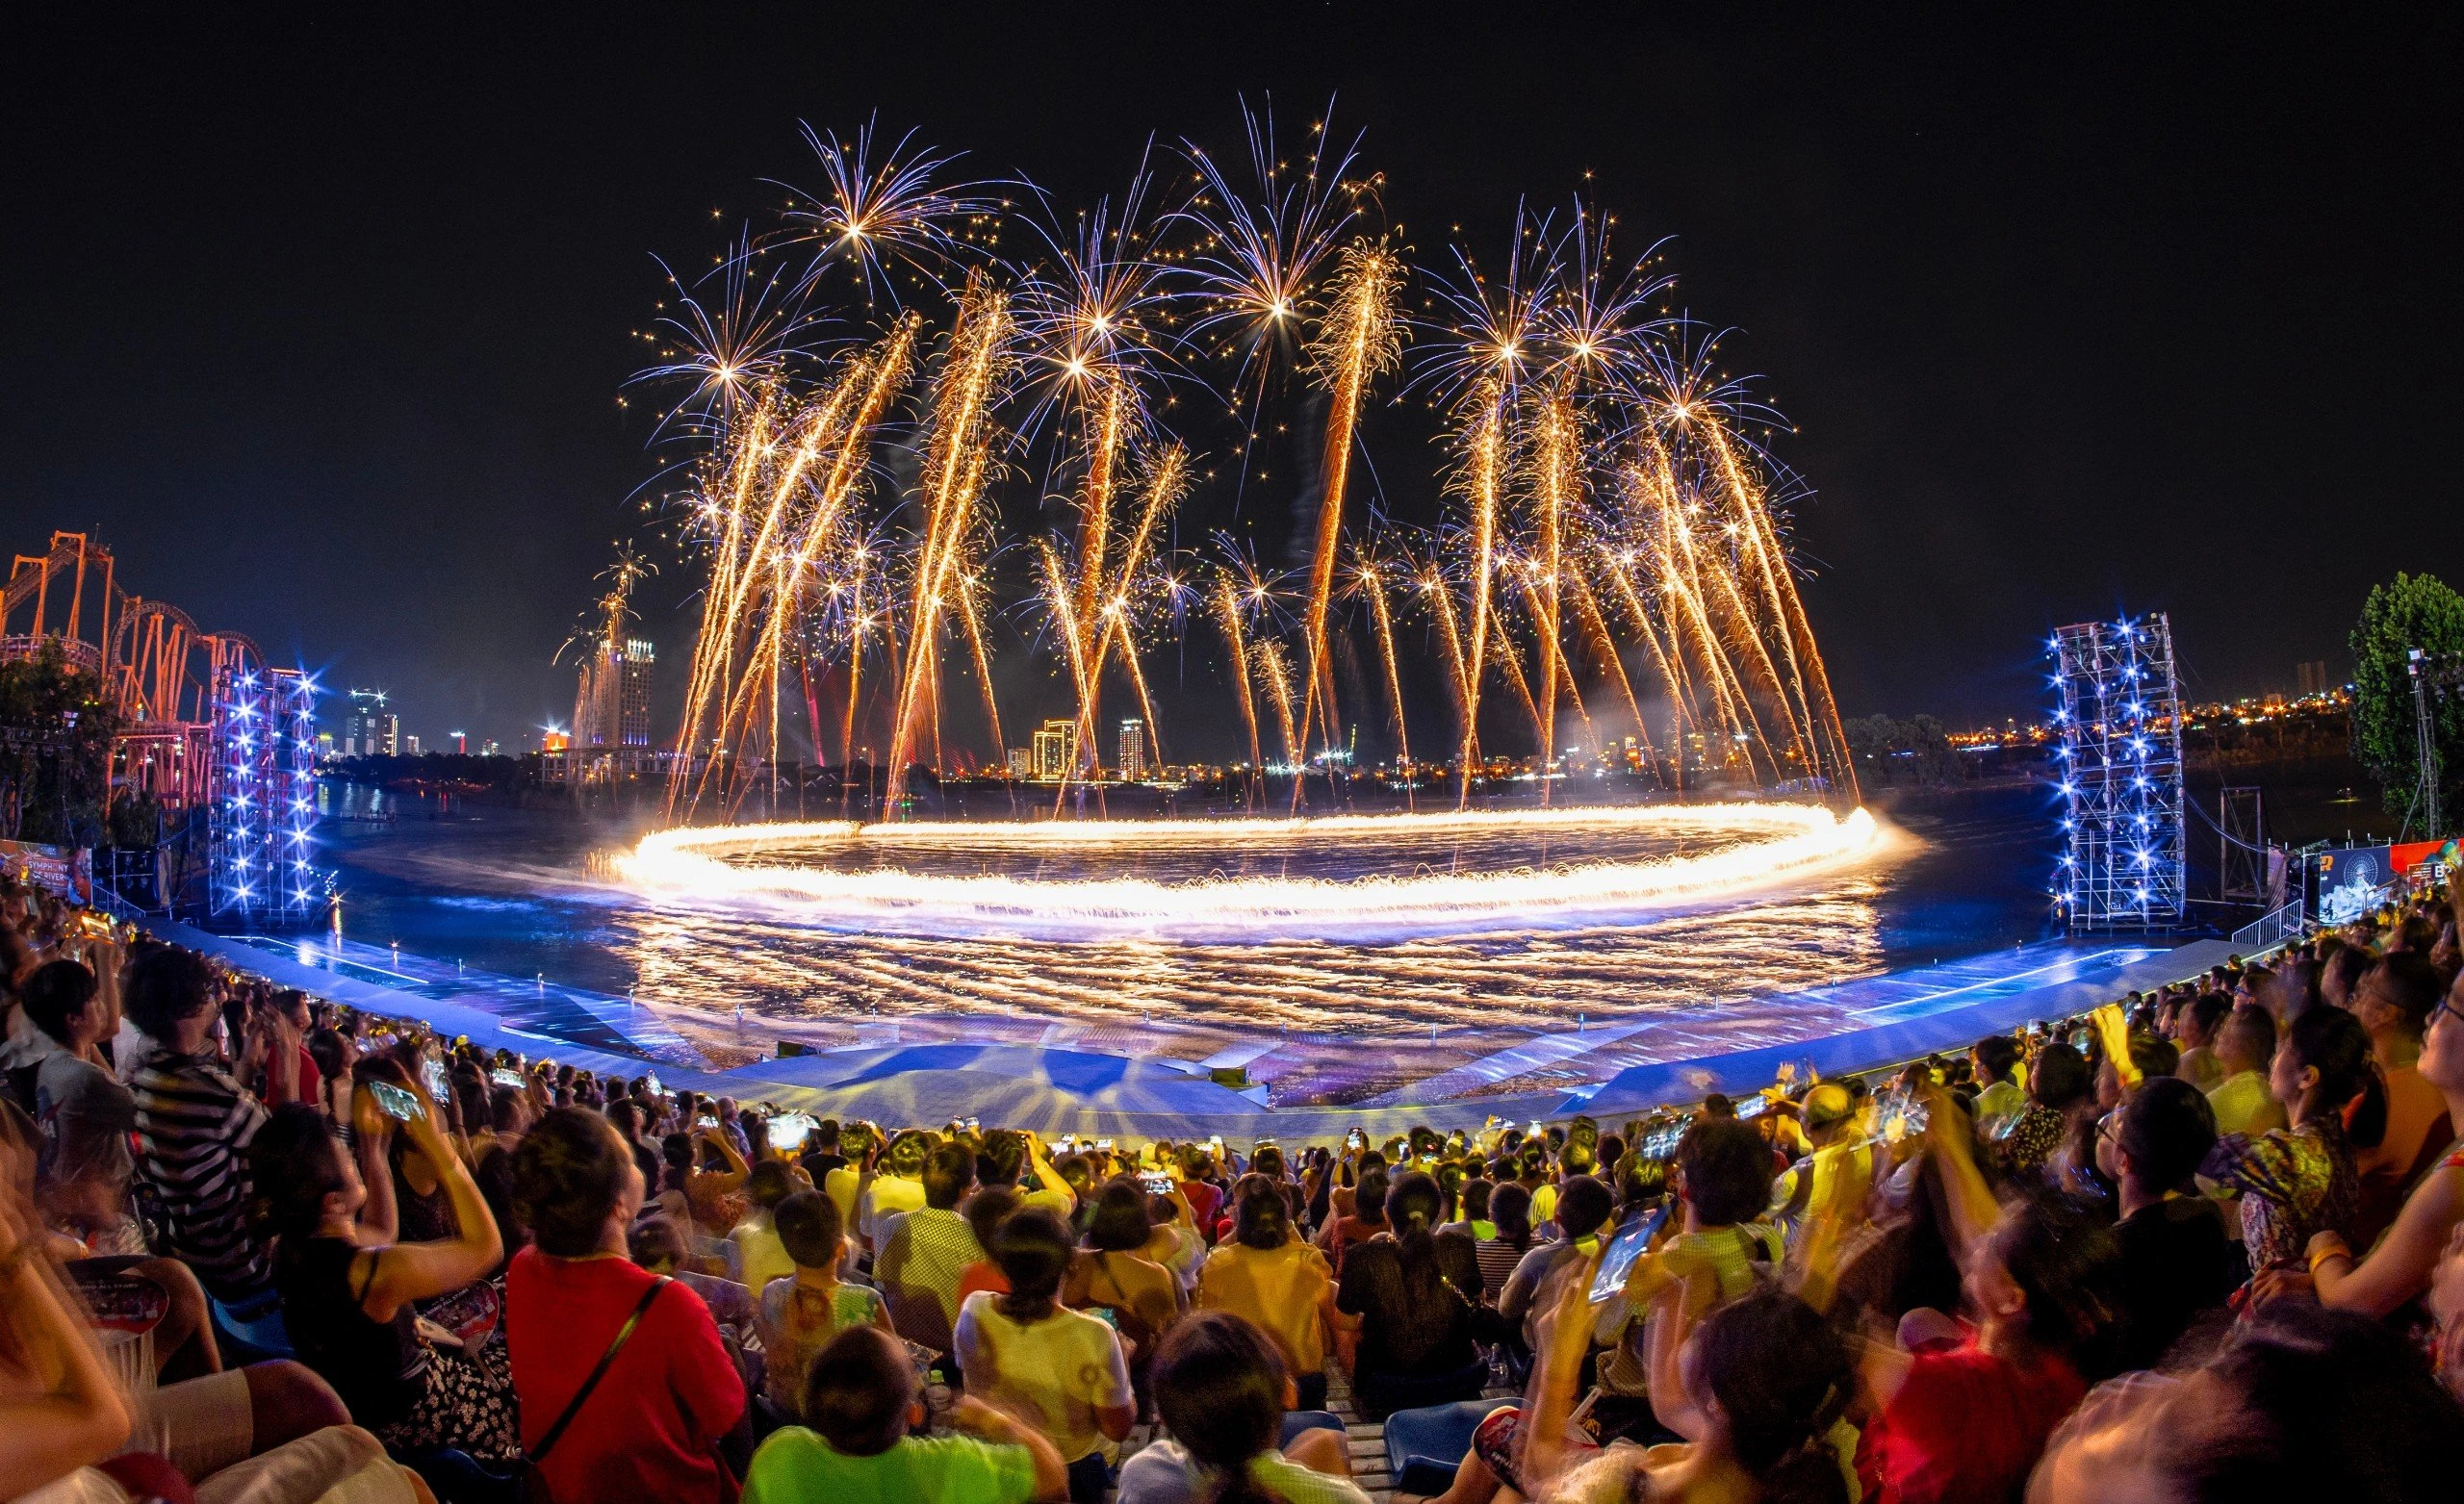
[1161,1474]
[1056,1372]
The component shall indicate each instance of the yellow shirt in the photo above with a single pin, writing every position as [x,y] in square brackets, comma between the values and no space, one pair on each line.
[1278,1290]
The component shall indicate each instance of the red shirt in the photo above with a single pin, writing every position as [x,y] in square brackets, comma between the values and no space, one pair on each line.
[1967,1426]
[647,1430]
[1205,1199]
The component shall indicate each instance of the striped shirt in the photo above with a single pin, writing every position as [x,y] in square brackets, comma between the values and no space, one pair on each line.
[194,1124]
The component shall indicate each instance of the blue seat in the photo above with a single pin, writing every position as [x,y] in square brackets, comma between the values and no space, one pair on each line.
[251,1330]
[1424,1446]
[1296,1423]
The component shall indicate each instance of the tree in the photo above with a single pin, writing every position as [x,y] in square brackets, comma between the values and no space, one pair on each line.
[56,734]
[2411,611]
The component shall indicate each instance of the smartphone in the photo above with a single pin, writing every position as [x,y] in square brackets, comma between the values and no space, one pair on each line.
[1753,1106]
[789,1130]
[706,1121]
[1355,1139]
[439,1084]
[506,1078]
[393,1102]
[1535,1130]
[1157,1184]
[1624,1249]
[1104,1144]
[974,1125]
[652,1077]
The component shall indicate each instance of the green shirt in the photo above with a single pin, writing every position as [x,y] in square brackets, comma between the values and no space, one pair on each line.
[796,1466]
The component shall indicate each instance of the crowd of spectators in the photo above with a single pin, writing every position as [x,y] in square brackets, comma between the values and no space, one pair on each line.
[2203,1243]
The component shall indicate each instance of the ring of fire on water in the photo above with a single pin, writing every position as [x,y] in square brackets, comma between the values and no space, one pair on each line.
[723,866]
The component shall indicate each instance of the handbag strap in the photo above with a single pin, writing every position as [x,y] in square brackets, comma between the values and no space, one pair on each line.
[540,1454]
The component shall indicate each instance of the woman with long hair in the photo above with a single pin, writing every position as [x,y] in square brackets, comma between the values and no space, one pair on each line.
[348,1288]
[1417,1293]
[1269,1277]
[1114,1274]
[2299,1182]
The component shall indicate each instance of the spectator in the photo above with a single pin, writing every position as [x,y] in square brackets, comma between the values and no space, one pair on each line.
[2194,1030]
[2176,1257]
[898,1190]
[861,1397]
[803,1315]
[1997,1063]
[648,1429]
[985,1211]
[1222,1390]
[83,1113]
[754,1255]
[348,1288]
[1270,1278]
[2060,1088]
[2299,1182]
[660,1244]
[2403,1265]
[1416,1293]
[1112,1273]
[1027,1354]
[705,1180]
[928,1249]
[1583,1207]
[194,1121]
[1367,1221]
[2393,1004]
[1962,1410]
[2245,1050]
[1840,1152]
[2301,1404]
[1502,1250]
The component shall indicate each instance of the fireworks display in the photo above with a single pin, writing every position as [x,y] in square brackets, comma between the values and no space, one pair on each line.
[860,399]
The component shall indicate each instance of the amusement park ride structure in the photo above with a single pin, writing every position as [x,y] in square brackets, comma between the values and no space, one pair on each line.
[206,723]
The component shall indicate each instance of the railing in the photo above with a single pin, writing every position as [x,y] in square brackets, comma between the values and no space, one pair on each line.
[2270,929]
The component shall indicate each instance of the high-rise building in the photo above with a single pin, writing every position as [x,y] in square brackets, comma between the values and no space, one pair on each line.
[411,745]
[368,729]
[613,703]
[2313,676]
[1133,750]
[1022,763]
[324,743]
[491,750]
[1056,750]
[461,744]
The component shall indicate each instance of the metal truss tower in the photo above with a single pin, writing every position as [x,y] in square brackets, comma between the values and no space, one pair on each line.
[264,795]
[2119,721]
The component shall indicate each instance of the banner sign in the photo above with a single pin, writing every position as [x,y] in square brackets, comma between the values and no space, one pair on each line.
[67,871]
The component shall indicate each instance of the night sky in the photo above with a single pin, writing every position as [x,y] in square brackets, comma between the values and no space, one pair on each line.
[322,325]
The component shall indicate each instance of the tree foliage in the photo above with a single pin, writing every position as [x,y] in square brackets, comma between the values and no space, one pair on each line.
[2411,611]
[56,734]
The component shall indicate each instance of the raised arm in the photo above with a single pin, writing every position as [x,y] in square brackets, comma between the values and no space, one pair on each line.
[79,1418]
[413,1271]
[2400,1266]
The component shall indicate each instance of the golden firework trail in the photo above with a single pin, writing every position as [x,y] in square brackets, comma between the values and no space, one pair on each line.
[1357,339]
[956,462]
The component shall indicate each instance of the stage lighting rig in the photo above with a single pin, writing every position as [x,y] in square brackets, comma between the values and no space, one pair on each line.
[2119,761]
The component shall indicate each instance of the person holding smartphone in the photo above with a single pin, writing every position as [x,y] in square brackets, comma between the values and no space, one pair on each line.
[348,1287]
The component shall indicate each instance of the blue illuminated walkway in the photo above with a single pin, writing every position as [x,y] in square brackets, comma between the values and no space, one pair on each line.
[1899,1016]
